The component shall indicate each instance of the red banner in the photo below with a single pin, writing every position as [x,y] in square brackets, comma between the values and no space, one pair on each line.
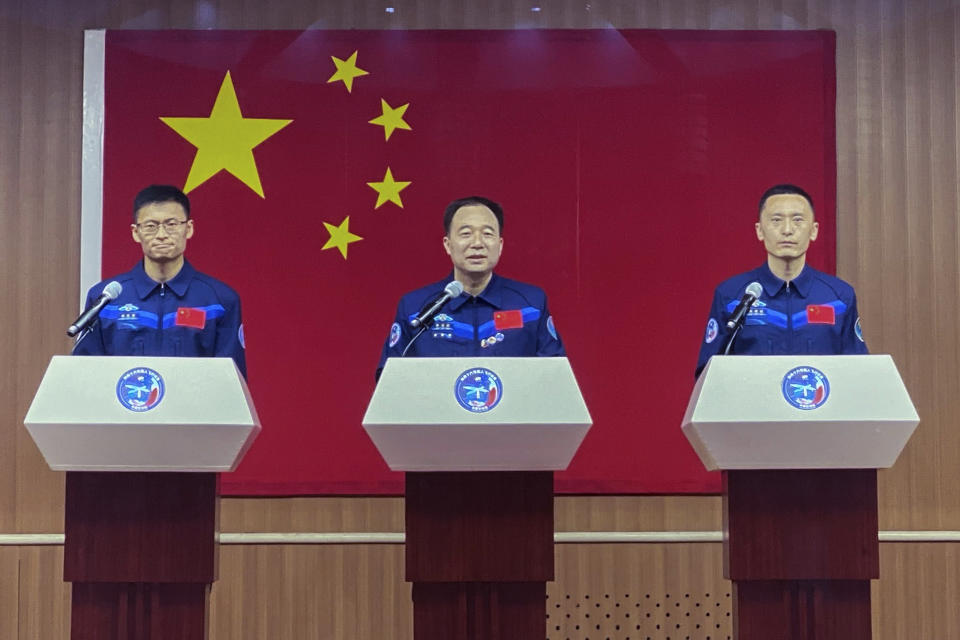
[318,163]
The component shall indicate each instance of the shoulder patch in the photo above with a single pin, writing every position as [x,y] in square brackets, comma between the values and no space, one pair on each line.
[858,330]
[394,334]
[552,328]
[243,343]
[713,330]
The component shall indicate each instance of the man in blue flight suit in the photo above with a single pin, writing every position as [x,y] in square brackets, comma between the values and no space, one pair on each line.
[494,316]
[801,310]
[166,308]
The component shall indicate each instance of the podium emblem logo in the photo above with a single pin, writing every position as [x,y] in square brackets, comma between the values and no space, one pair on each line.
[478,390]
[805,387]
[140,389]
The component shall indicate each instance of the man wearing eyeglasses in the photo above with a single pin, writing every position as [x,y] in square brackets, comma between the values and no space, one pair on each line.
[166,308]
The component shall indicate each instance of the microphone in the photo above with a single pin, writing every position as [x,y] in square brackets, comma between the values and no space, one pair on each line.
[452,290]
[88,317]
[751,295]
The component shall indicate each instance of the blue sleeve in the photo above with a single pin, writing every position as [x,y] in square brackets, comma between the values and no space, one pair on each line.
[397,340]
[852,335]
[230,342]
[715,332]
[549,343]
[90,343]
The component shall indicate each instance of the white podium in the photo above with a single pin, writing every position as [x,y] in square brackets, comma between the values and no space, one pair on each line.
[799,439]
[479,438]
[141,439]
[204,421]
[739,418]
[417,423]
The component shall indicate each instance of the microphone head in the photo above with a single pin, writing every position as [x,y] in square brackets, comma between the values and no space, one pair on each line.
[755,289]
[455,288]
[112,290]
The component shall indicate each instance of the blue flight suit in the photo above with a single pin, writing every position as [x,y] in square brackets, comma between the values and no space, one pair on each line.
[813,314]
[508,318]
[191,314]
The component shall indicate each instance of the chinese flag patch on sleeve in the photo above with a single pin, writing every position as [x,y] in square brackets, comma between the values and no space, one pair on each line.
[191,317]
[508,319]
[821,314]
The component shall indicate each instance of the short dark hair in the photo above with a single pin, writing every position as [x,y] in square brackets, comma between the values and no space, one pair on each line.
[157,193]
[455,206]
[782,190]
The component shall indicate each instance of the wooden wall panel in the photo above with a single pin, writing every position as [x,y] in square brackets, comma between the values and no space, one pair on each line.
[10,55]
[44,599]
[9,591]
[311,593]
[571,513]
[638,513]
[47,250]
[918,592]
[639,591]
[357,592]
[913,281]
[309,514]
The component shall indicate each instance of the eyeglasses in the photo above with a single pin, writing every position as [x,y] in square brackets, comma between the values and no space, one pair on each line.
[171,226]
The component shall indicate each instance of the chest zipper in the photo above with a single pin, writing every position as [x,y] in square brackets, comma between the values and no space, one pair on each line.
[163,291]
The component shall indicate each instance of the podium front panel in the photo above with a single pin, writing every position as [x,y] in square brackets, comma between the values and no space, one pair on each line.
[129,413]
[799,412]
[477,414]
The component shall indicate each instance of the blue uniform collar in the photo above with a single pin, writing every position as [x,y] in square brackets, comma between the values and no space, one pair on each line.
[492,293]
[179,283]
[772,284]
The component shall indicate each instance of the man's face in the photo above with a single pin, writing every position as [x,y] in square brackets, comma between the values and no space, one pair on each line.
[474,241]
[786,226]
[162,244]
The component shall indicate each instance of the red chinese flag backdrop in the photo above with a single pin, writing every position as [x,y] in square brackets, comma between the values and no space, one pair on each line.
[629,164]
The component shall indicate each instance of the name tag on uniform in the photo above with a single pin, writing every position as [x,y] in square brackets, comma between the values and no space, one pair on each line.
[508,319]
[191,317]
[821,314]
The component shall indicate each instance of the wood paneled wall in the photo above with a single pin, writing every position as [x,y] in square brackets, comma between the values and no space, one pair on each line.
[898,242]
[356,592]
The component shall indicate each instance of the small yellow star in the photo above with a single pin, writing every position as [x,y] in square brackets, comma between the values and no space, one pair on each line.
[346,71]
[388,190]
[225,141]
[340,236]
[391,118]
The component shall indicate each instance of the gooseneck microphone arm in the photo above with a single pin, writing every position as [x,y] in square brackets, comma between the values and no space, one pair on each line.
[730,339]
[413,339]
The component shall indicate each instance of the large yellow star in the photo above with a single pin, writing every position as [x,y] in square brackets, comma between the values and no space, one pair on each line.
[388,190]
[391,118]
[225,140]
[346,71]
[340,236]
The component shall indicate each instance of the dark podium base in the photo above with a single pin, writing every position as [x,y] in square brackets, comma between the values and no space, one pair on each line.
[121,610]
[479,553]
[140,550]
[807,609]
[479,610]
[801,548]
